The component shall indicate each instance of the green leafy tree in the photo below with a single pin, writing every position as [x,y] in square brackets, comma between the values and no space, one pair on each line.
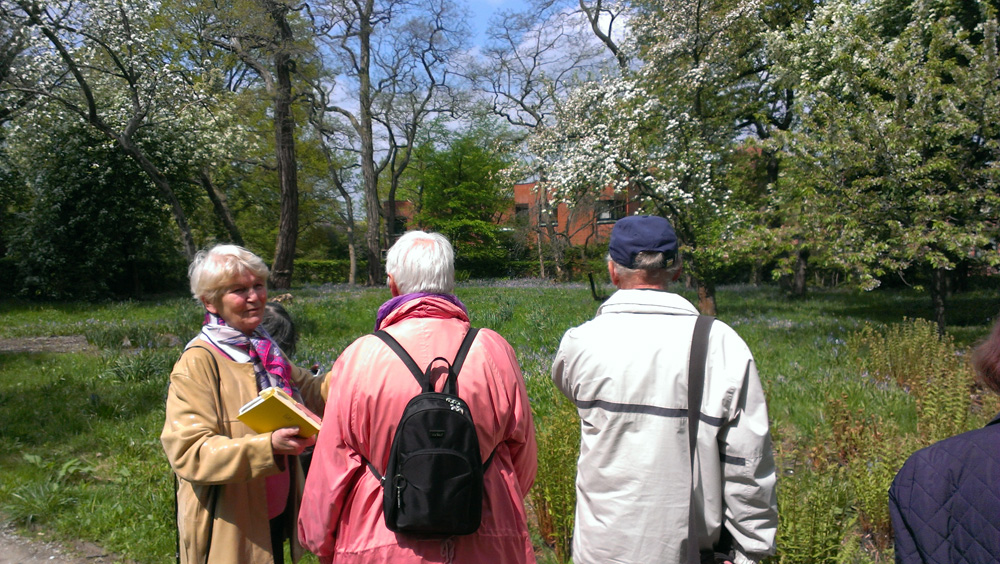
[459,192]
[262,35]
[95,226]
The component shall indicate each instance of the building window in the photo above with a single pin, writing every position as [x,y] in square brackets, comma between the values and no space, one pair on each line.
[521,212]
[399,226]
[609,211]
[544,217]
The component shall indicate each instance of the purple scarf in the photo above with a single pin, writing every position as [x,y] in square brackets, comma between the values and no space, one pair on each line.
[269,364]
[385,309]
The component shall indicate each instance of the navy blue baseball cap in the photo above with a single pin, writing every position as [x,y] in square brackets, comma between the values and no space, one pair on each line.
[637,233]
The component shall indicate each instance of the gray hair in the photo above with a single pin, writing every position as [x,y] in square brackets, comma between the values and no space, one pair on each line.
[278,323]
[422,262]
[653,266]
[212,271]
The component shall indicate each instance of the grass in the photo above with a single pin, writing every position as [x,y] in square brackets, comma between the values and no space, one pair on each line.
[80,453]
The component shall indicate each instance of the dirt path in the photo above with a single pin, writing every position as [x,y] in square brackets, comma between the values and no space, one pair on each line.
[17,549]
[67,343]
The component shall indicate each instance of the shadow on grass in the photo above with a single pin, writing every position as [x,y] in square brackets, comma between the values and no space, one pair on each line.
[57,397]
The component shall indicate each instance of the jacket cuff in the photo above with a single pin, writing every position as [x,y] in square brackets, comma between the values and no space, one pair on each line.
[741,558]
[262,457]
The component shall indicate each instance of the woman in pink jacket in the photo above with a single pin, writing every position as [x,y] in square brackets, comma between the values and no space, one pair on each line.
[341,518]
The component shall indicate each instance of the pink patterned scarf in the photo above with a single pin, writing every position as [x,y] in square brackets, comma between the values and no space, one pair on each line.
[269,364]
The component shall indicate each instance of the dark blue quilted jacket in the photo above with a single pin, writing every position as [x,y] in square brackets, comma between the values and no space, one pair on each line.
[945,501]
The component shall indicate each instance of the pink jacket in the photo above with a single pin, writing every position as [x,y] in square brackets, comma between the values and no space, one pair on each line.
[341,519]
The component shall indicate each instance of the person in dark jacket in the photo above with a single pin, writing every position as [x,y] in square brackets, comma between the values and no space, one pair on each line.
[945,500]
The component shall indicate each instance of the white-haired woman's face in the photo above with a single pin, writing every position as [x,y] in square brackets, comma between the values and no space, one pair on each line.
[242,304]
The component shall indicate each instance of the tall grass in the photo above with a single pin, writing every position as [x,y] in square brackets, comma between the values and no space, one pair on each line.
[80,454]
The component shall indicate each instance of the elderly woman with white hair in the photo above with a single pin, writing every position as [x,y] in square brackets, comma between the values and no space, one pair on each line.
[237,490]
[342,518]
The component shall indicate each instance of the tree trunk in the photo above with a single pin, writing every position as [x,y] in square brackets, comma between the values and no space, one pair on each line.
[284,147]
[756,273]
[221,208]
[352,244]
[541,255]
[352,276]
[161,183]
[390,217]
[368,174]
[799,277]
[939,294]
[706,297]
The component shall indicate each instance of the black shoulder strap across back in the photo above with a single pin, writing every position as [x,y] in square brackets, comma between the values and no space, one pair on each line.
[696,385]
[424,378]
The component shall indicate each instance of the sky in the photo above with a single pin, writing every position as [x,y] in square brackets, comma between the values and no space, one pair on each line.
[483,10]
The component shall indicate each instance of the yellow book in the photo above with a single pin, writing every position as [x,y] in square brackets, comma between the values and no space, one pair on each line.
[273,409]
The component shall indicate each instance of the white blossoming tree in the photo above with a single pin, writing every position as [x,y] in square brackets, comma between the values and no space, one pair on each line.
[899,141]
[662,128]
[112,65]
[532,61]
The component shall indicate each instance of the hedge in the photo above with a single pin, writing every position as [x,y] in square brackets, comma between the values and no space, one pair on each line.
[326,271]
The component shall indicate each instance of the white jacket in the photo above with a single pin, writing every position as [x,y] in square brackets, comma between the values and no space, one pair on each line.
[626,371]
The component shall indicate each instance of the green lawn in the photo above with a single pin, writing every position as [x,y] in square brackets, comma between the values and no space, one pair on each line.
[80,455]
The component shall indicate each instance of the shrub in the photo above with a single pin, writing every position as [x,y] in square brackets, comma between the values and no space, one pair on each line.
[8,278]
[554,493]
[326,271]
[814,504]
[929,367]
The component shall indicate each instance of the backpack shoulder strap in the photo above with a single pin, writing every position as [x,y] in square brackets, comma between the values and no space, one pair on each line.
[456,365]
[696,385]
[696,375]
[397,348]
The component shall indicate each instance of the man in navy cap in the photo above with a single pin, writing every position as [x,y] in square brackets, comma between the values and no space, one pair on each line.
[627,372]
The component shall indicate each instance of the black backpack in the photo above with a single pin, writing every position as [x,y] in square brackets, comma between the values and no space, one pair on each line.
[433,484]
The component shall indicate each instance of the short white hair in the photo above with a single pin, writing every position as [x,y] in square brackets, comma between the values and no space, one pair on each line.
[422,262]
[213,270]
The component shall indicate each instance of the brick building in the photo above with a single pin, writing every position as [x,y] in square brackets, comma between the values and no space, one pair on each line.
[586,223]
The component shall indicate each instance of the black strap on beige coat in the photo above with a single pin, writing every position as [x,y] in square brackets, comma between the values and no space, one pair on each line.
[696,385]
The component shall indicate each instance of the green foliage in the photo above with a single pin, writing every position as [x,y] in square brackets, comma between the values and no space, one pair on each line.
[460,194]
[326,271]
[96,227]
[854,460]
[840,431]
[554,494]
[36,502]
[814,507]
[930,368]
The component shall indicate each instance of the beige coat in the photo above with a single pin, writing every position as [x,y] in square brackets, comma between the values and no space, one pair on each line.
[627,372]
[221,464]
